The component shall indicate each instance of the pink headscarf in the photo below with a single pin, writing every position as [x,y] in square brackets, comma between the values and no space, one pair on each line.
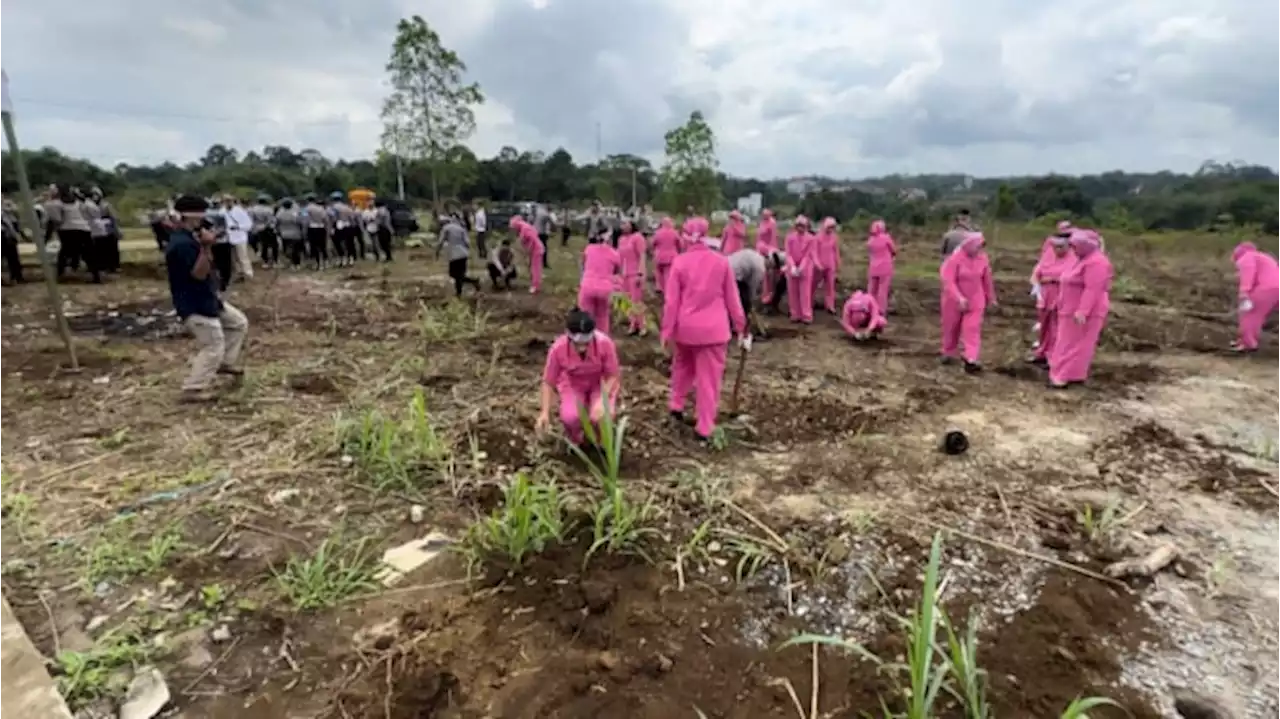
[877,227]
[516,222]
[829,224]
[973,243]
[1242,249]
[802,221]
[767,214]
[1065,226]
[667,223]
[735,216]
[1085,242]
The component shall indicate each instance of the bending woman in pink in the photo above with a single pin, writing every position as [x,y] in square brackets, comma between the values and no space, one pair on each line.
[826,252]
[582,367]
[967,291]
[1083,304]
[1258,290]
[701,302]
[880,253]
[600,267]
[862,318]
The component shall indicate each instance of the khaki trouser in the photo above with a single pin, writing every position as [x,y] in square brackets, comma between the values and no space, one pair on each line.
[218,343]
[244,260]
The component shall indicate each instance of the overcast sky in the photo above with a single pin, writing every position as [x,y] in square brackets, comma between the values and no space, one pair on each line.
[848,88]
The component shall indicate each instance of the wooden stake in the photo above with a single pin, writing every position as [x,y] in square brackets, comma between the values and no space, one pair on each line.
[737,380]
[29,211]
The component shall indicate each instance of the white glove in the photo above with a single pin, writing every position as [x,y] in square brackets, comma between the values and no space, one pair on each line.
[795,271]
[1246,305]
[1035,328]
[745,343]
[1035,290]
[859,336]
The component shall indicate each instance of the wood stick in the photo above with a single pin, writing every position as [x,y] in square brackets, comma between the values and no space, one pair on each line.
[78,465]
[781,544]
[1268,487]
[813,695]
[737,381]
[1014,550]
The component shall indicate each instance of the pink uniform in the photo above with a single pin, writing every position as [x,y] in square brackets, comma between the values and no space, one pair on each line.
[1258,282]
[578,378]
[600,266]
[631,250]
[880,253]
[666,246]
[1083,302]
[701,301]
[861,314]
[1048,275]
[734,236]
[967,290]
[801,251]
[827,263]
[766,245]
[533,246]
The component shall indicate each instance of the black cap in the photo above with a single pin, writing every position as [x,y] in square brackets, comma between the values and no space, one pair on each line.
[190,205]
[955,442]
[579,322]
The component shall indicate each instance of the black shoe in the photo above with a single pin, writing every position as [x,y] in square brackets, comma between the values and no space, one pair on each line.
[946,360]
[1038,361]
[972,368]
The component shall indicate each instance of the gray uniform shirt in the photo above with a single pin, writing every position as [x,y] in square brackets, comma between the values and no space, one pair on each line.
[262,217]
[542,221]
[749,268]
[72,216]
[318,216]
[596,225]
[454,237]
[289,224]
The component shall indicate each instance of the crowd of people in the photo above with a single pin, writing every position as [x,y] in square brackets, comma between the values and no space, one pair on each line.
[85,225]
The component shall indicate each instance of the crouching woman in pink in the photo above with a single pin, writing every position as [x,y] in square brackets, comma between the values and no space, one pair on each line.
[533,248]
[862,318]
[1083,302]
[700,303]
[1046,286]
[582,368]
[967,291]
[1258,291]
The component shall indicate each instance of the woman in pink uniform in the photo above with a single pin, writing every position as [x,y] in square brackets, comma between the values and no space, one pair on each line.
[967,291]
[666,246]
[631,250]
[600,267]
[1258,289]
[1083,302]
[582,368]
[1046,285]
[533,248]
[861,317]
[800,253]
[880,254]
[701,302]
[734,236]
[827,263]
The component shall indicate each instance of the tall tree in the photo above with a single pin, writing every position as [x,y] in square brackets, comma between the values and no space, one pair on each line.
[429,110]
[689,172]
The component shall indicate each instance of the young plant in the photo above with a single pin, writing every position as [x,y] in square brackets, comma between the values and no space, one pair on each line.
[532,516]
[116,554]
[1080,707]
[450,322]
[962,652]
[1100,525]
[753,555]
[335,571]
[392,452]
[619,525]
[928,669]
[93,674]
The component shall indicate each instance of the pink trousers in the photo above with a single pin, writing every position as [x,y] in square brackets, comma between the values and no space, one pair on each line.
[962,328]
[800,295]
[634,285]
[700,368]
[827,280]
[1264,301]
[1047,316]
[535,271]
[577,401]
[1073,349]
[660,271]
[595,302]
[878,287]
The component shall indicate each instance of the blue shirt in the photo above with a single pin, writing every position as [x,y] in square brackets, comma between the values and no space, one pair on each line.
[190,295]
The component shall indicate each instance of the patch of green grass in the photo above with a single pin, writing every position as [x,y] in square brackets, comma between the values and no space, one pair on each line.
[393,453]
[1101,524]
[17,507]
[335,571]
[531,518]
[84,677]
[619,524]
[456,320]
[115,440]
[1080,707]
[118,554]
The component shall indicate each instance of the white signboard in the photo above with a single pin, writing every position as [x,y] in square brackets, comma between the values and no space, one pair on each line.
[6,105]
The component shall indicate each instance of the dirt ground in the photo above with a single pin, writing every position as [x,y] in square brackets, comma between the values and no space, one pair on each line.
[139,530]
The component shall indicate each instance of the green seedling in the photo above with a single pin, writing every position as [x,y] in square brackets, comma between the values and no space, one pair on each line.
[337,570]
[531,518]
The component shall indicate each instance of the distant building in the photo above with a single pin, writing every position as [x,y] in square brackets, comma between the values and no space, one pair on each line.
[751,204]
[801,186]
[911,194]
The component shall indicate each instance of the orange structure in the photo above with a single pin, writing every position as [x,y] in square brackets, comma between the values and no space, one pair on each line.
[361,198]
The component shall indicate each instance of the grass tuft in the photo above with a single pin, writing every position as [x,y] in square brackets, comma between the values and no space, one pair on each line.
[337,570]
[531,518]
[451,321]
[392,453]
[85,677]
[619,525]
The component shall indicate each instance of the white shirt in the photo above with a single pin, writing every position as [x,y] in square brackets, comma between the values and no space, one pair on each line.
[480,222]
[238,224]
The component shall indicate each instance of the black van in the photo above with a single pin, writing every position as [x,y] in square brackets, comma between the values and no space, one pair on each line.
[403,221]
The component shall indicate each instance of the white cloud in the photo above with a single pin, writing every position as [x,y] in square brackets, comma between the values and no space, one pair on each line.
[848,88]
